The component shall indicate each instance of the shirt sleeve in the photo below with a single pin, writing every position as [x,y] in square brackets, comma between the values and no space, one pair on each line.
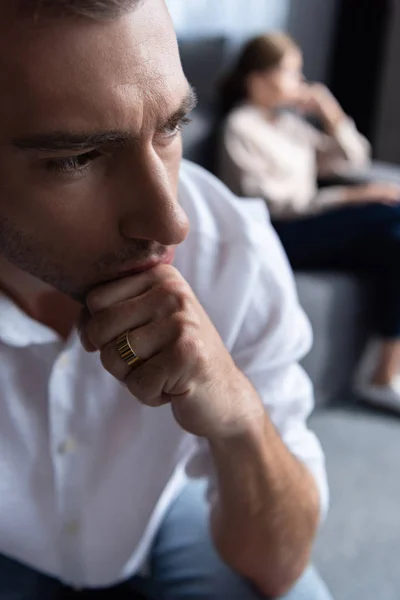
[345,149]
[275,335]
[327,198]
[255,174]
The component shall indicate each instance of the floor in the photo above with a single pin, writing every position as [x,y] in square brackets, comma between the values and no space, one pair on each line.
[358,552]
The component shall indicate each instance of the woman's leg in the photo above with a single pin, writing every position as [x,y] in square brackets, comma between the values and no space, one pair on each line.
[19,582]
[364,239]
[344,238]
[185,565]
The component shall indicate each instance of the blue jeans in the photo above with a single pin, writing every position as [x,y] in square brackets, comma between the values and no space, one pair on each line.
[183,566]
[361,238]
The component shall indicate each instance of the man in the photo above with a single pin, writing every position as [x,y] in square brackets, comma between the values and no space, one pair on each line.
[164,450]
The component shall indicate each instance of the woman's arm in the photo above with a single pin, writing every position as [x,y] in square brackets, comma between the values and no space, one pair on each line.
[370,193]
[342,146]
[248,172]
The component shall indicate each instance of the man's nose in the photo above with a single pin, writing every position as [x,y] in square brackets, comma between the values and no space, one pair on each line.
[152,210]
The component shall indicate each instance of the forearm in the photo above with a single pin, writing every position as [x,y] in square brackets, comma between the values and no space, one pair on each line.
[267,512]
[355,148]
[332,119]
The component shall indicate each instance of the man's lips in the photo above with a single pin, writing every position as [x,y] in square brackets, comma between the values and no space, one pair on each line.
[133,268]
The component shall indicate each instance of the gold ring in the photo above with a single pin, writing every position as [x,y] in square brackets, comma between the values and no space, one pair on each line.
[126,351]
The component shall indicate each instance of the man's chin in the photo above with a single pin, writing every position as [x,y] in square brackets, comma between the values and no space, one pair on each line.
[77,294]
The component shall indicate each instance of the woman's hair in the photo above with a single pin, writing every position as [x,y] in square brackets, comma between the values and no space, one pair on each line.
[260,54]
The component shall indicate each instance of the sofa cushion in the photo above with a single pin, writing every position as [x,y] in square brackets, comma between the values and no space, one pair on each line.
[200,139]
[203,62]
[383,172]
[339,308]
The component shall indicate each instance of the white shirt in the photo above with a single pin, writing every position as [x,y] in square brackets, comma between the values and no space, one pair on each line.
[281,160]
[87,472]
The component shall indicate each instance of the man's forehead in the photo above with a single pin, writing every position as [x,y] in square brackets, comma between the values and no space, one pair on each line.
[67,66]
[94,9]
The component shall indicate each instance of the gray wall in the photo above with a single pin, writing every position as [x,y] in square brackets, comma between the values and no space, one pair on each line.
[234,18]
[313,24]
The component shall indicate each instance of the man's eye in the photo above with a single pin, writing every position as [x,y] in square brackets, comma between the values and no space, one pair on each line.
[171,130]
[72,164]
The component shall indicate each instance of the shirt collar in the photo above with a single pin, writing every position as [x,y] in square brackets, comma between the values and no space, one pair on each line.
[19,330]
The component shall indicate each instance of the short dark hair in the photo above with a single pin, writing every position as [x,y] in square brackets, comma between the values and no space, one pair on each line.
[92,9]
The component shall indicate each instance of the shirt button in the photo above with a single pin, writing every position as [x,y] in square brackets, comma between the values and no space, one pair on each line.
[72,528]
[67,446]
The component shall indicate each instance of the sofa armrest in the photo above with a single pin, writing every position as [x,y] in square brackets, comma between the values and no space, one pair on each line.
[379,171]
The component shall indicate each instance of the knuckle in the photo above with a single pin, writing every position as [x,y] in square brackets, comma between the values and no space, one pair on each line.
[146,384]
[123,311]
[111,363]
[174,286]
[94,331]
[164,299]
[106,359]
[99,328]
[183,299]
[102,326]
[94,301]
[174,294]
[189,347]
[180,324]
[155,276]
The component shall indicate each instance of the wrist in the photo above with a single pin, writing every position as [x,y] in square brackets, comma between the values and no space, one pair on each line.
[333,118]
[356,193]
[244,430]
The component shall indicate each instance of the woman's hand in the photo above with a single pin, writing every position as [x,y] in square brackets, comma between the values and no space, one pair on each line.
[319,101]
[381,193]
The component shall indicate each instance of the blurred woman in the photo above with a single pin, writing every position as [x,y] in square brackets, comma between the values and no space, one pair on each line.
[271,152]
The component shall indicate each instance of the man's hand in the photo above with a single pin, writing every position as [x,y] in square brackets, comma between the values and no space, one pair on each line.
[319,101]
[184,360]
[378,193]
[266,511]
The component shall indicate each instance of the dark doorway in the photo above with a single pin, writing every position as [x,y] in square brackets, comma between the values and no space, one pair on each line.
[359,56]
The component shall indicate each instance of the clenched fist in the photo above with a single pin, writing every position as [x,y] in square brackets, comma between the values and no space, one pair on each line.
[183,359]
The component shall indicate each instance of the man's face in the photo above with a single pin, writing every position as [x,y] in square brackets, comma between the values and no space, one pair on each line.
[90,146]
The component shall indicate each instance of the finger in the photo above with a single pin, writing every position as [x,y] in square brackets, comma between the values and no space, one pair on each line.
[146,342]
[106,295]
[163,377]
[154,305]
[148,382]
[83,320]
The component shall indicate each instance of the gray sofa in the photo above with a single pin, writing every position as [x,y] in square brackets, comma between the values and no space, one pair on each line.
[358,548]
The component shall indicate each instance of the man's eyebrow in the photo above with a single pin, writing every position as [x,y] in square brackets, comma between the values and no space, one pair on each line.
[79,142]
[188,104]
[59,141]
